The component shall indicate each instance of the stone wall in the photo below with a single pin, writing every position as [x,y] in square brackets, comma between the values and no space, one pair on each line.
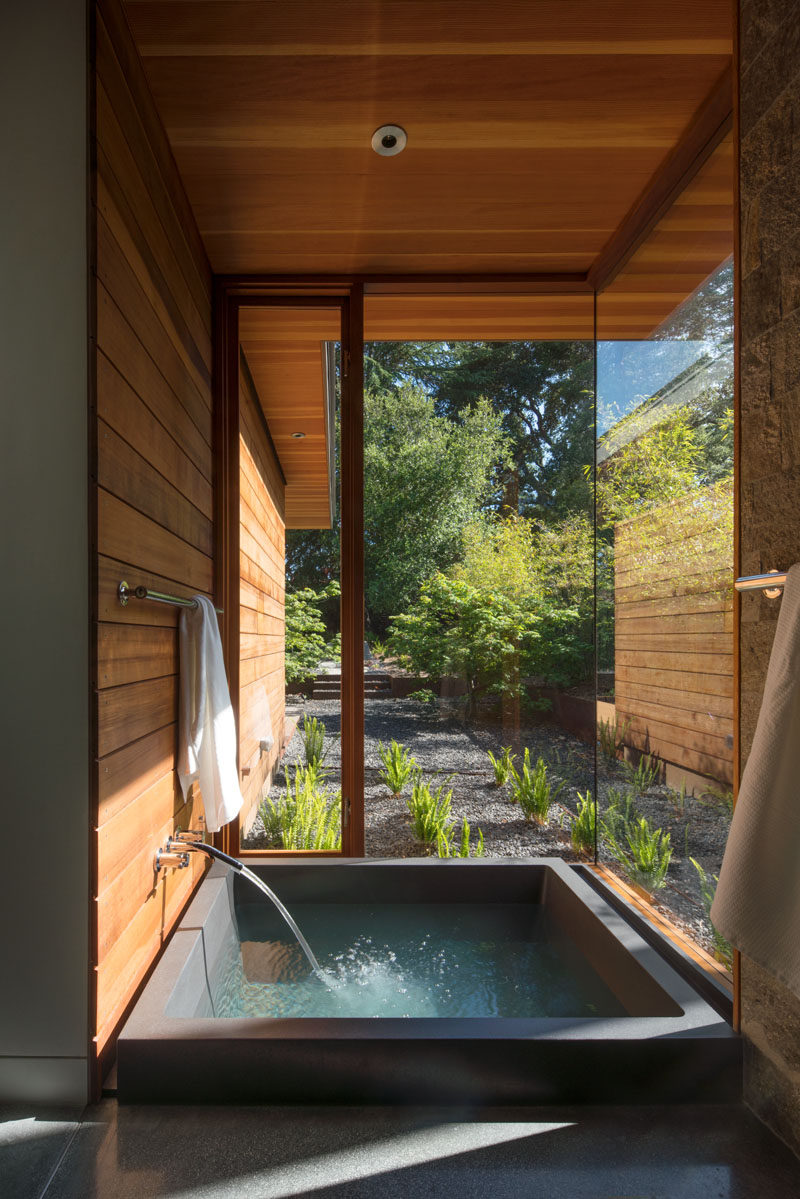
[770,455]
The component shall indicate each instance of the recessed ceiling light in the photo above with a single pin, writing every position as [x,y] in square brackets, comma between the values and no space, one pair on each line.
[298,435]
[389,140]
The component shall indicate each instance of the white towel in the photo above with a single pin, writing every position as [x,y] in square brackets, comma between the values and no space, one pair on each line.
[206,727]
[757,904]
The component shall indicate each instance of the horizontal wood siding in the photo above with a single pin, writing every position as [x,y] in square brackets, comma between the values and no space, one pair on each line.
[262,494]
[154,512]
[674,632]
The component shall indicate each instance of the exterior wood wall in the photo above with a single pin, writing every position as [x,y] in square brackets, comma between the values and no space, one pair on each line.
[262,490]
[154,522]
[673,607]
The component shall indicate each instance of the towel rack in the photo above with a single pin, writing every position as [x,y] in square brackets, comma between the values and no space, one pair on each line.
[774,581]
[125,593]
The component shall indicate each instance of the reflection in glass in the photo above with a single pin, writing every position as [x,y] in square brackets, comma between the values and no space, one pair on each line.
[664,566]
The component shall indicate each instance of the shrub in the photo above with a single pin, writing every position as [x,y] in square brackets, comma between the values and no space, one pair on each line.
[723,950]
[647,856]
[445,846]
[532,790]
[584,824]
[398,766]
[423,696]
[313,741]
[503,765]
[307,815]
[430,810]
[457,628]
[610,737]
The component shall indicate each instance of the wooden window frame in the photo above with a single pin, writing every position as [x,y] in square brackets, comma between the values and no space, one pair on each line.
[230,296]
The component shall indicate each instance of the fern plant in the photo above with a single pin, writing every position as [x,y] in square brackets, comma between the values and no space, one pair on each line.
[619,814]
[584,825]
[532,789]
[307,815]
[647,856]
[610,738]
[503,765]
[642,776]
[313,741]
[398,766]
[446,847]
[430,810]
[719,797]
[723,951]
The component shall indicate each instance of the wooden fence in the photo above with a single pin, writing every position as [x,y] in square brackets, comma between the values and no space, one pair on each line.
[673,608]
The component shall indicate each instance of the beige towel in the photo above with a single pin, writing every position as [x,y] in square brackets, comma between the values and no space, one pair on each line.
[757,904]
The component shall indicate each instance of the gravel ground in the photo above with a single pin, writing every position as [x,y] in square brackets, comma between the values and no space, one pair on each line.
[444,746]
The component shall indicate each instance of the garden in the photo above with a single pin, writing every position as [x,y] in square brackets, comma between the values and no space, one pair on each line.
[489,589]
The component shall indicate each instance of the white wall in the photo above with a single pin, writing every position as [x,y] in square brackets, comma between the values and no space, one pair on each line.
[44,592]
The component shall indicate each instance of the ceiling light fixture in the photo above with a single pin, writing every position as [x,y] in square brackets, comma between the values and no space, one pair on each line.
[389,140]
[298,435]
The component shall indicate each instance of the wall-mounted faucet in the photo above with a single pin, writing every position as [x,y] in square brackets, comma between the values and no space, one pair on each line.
[166,858]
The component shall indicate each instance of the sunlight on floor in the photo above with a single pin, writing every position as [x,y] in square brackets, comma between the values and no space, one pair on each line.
[413,1148]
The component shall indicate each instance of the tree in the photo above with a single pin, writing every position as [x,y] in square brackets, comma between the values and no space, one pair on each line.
[457,629]
[548,569]
[543,391]
[425,478]
[305,643]
[648,465]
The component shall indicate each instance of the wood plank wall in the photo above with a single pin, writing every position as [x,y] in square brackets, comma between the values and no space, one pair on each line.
[673,608]
[154,509]
[262,629]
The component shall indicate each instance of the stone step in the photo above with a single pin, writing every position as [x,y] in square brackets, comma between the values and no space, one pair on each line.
[329,686]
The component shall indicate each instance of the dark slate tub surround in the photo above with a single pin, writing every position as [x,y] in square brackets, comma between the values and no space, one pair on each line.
[672,1047]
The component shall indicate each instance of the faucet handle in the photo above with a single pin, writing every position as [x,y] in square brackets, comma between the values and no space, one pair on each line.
[166,858]
[186,836]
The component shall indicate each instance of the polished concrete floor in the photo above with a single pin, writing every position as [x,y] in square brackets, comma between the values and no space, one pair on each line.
[112,1152]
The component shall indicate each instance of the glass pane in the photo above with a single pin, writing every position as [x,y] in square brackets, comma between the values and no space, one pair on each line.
[479,564]
[290,680]
[665,596]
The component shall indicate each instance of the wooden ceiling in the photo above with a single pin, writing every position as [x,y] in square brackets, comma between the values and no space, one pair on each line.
[579,140]
[690,241]
[284,349]
[534,126]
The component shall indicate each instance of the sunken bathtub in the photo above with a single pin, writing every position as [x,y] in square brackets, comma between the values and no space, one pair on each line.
[479,982]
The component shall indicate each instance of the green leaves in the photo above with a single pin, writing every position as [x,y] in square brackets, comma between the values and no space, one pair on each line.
[723,950]
[532,789]
[446,846]
[313,741]
[398,766]
[307,816]
[425,478]
[305,631]
[430,810]
[457,629]
[582,833]
[645,854]
[503,765]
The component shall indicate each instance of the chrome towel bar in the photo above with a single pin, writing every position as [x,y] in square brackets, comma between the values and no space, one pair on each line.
[125,593]
[774,581]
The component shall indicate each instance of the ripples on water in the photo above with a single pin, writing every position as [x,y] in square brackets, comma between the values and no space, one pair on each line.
[437,973]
